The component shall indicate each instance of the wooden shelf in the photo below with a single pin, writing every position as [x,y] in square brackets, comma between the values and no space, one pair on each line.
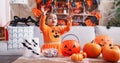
[2,33]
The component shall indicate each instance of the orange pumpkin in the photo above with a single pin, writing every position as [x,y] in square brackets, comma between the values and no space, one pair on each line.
[92,49]
[103,39]
[111,53]
[77,57]
[84,54]
[68,47]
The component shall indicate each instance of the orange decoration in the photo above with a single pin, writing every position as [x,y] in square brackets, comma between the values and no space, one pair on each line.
[60,10]
[84,54]
[77,57]
[38,1]
[88,22]
[103,39]
[75,24]
[97,14]
[78,4]
[36,12]
[48,3]
[90,3]
[69,4]
[68,47]
[61,22]
[111,53]
[92,49]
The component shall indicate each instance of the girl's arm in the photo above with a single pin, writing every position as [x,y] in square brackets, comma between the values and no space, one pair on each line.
[67,27]
[42,24]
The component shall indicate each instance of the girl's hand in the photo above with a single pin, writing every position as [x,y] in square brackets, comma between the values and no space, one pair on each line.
[44,11]
[69,17]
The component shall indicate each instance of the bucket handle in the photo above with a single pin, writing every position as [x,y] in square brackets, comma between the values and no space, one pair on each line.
[69,35]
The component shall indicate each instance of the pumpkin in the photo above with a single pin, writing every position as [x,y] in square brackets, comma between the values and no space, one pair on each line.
[84,54]
[103,39]
[68,47]
[77,57]
[111,53]
[92,49]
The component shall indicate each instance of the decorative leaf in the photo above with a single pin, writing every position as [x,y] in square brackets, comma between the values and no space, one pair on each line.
[118,3]
[118,10]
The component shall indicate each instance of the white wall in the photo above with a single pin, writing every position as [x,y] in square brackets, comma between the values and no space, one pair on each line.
[4,12]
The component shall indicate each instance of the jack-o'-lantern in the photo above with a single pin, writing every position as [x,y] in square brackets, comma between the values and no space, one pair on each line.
[103,39]
[111,53]
[92,49]
[68,47]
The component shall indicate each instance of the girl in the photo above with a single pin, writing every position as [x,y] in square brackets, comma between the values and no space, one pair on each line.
[52,33]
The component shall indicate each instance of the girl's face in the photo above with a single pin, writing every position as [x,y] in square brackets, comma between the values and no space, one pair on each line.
[52,20]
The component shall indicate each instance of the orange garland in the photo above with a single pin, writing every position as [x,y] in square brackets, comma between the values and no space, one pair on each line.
[36,12]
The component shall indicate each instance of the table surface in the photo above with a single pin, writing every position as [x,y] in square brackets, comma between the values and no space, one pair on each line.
[22,59]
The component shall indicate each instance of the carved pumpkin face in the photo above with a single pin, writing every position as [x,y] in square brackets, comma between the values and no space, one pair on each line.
[103,39]
[69,47]
[55,33]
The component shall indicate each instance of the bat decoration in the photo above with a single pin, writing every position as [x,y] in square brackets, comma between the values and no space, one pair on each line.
[27,42]
[35,53]
[27,46]
[34,42]
[31,46]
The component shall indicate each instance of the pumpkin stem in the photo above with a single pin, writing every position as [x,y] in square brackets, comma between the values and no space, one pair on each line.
[92,41]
